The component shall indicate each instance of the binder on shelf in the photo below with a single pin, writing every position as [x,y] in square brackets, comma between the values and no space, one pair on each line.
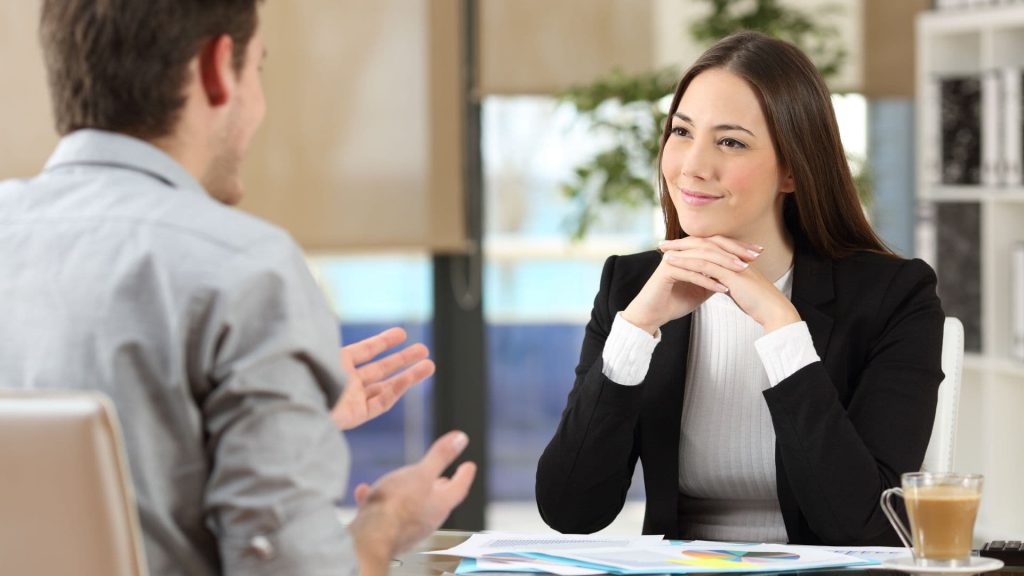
[958,243]
[1017,292]
[991,128]
[1012,126]
[960,102]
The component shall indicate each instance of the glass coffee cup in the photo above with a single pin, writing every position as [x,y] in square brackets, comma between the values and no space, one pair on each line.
[942,508]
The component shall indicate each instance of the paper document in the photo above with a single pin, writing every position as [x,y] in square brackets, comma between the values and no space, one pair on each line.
[690,558]
[522,564]
[576,555]
[879,553]
[481,545]
[876,553]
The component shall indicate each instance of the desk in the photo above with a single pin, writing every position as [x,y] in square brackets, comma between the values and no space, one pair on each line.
[415,564]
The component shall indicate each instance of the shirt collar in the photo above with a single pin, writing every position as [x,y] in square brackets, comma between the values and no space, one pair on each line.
[785,283]
[102,148]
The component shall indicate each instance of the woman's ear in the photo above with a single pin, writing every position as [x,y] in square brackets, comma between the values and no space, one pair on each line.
[786,183]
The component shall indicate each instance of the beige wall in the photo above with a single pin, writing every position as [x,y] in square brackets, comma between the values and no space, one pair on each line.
[539,46]
[27,135]
[361,148]
[890,47]
[362,144]
[546,46]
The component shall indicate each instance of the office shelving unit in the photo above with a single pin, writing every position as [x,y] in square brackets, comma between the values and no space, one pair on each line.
[977,41]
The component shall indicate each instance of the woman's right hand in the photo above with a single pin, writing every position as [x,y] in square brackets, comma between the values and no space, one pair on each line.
[685,278]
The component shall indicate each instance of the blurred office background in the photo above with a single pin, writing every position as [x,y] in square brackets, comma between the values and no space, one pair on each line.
[417,149]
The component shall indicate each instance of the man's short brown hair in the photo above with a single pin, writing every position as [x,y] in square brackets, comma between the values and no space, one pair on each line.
[122,65]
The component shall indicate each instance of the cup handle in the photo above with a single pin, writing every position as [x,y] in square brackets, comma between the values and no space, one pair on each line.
[894,519]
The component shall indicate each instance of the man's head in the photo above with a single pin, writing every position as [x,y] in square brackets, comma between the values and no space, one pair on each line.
[182,73]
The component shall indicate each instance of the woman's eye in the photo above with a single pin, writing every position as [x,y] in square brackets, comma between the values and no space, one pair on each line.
[732,143]
[680,131]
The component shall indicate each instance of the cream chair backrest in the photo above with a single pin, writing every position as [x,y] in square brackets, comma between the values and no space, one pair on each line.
[66,499]
[942,446]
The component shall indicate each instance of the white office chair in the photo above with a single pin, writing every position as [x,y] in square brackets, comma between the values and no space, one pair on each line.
[66,499]
[942,446]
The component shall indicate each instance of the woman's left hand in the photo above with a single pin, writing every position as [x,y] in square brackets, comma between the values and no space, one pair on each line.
[760,299]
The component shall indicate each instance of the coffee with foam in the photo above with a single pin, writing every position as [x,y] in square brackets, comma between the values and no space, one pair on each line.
[942,520]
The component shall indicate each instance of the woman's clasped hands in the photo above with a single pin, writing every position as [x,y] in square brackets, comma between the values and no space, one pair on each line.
[693,269]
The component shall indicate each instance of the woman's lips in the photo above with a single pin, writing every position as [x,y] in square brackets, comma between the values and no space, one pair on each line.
[694,198]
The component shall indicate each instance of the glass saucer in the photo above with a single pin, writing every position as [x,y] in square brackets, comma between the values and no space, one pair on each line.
[976,565]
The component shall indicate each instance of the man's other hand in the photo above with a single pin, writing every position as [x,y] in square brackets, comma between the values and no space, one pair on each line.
[410,503]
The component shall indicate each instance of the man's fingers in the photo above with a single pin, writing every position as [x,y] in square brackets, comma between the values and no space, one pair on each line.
[452,491]
[362,402]
[443,452]
[381,396]
[367,349]
[388,365]
[360,493]
[399,383]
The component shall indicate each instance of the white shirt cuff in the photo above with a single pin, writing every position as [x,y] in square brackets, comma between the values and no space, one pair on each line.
[785,351]
[627,352]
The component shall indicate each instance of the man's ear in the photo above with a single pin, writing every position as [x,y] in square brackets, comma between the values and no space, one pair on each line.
[216,69]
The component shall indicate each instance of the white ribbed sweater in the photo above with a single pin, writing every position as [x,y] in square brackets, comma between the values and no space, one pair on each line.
[727,479]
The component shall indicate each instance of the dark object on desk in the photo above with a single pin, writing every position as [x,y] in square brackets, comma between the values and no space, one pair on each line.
[1011,553]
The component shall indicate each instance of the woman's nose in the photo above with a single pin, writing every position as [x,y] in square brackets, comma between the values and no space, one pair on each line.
[696,161]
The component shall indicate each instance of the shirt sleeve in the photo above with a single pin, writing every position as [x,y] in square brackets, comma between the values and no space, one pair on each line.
[785,351]
[627,352]
[279,465]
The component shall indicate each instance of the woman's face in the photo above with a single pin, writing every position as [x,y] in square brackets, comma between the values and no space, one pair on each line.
[720,164]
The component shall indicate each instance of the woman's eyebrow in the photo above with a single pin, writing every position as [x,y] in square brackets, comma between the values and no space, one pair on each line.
[720,127]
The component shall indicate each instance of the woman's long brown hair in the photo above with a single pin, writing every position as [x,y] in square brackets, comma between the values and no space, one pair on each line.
[823,211]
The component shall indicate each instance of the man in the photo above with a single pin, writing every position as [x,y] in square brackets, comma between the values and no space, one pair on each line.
[123,271]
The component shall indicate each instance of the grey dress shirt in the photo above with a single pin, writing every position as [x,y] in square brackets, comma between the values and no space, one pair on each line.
[119,273]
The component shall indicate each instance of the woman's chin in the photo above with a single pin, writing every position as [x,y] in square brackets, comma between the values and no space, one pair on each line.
[702,229]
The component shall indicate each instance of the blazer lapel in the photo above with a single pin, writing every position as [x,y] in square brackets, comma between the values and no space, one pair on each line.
[813,291]
[670,358]
[660,427]
[665,380]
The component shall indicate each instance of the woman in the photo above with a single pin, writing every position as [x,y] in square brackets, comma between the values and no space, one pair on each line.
[774,366]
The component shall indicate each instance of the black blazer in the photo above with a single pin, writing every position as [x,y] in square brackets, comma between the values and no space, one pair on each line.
[846,427]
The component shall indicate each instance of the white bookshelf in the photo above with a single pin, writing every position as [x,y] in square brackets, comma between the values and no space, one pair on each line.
[991,424]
